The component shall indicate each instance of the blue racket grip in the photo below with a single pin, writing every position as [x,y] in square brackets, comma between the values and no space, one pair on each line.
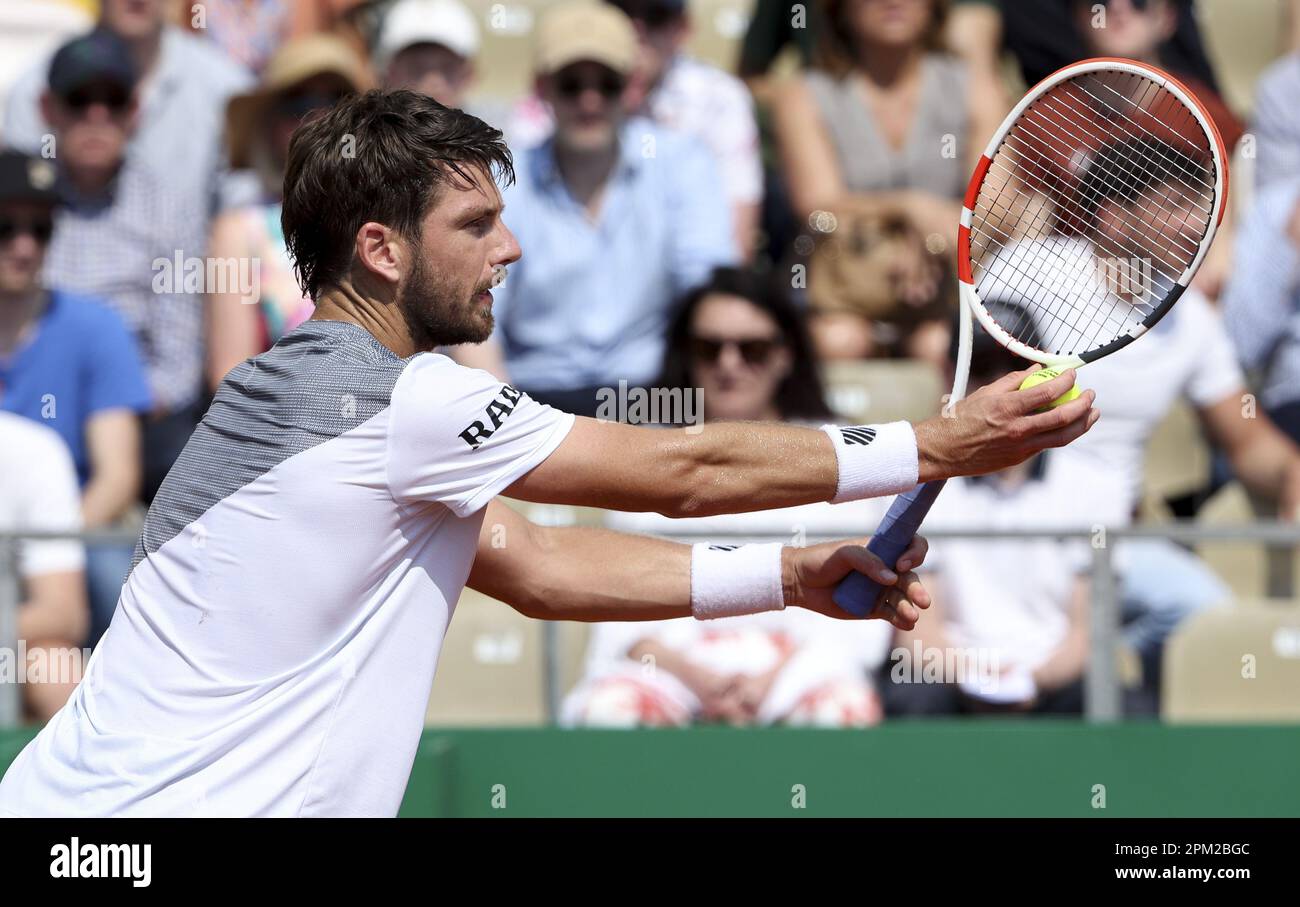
[856,594]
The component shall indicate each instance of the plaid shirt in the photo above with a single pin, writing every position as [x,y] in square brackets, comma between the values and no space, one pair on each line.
[110,246]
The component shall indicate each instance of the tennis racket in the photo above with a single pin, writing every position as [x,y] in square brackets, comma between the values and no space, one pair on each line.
[1083,223]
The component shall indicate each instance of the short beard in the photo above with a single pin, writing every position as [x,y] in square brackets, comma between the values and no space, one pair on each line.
[437,314]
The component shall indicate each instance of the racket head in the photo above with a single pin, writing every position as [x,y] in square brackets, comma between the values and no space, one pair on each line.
[1090,211]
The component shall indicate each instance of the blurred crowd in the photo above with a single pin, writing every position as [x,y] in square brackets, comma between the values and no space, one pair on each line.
[734,229]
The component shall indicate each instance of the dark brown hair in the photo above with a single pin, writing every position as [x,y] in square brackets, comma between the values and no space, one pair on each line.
[382,156]
[801,395]
[835,51]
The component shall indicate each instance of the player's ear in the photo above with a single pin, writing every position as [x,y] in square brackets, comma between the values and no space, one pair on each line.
[381,252]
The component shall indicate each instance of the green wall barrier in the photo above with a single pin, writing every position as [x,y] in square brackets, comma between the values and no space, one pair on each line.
[940,768]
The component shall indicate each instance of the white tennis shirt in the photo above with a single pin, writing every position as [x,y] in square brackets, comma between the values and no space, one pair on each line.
[1187,354]
[275,643]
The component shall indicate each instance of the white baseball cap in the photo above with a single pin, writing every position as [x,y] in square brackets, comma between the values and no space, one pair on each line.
[408,22]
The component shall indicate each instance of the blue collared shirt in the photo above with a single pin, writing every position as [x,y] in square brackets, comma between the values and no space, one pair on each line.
[588,303]
[1261,302]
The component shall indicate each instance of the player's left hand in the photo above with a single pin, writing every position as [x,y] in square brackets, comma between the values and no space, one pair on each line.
[811,574]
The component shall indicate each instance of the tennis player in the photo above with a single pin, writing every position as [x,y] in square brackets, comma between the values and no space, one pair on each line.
[275,642]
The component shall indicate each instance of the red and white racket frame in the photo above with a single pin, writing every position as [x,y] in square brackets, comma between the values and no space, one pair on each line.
[970,301]
[856,594]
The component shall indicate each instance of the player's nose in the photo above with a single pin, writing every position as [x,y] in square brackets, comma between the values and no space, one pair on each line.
[508,250]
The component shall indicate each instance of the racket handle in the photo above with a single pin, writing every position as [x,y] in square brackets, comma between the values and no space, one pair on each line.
[856,594]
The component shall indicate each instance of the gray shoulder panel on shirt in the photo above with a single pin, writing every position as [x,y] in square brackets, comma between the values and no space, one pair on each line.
[319,381]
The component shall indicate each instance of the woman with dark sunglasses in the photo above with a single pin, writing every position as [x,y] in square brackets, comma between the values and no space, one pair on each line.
[740,343]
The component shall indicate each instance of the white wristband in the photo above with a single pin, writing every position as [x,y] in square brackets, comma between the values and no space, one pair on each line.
[727,580]
[874,460]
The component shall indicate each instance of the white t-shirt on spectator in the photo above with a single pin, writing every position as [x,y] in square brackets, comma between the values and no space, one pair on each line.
[825,648]
[704,101]
[1011,597]
[1188,354]
[38,491]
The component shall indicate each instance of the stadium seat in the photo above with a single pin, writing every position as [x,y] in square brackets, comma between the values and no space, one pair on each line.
[491,670]
[1234,665]
[883,390]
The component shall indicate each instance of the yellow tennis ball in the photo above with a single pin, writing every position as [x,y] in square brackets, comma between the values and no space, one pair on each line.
[1047,374]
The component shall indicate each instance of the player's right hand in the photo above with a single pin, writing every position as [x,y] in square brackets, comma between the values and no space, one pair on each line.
[811,574]
[997,426]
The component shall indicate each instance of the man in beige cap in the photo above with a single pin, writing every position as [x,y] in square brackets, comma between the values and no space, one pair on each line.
[620,217]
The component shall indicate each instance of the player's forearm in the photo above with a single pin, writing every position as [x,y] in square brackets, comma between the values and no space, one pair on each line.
[739,467]
[588,574]
[746,466]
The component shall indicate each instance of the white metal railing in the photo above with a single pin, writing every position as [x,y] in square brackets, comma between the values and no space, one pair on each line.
[1102,690]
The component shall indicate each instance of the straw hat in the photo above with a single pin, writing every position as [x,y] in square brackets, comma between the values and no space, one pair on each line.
[293,63]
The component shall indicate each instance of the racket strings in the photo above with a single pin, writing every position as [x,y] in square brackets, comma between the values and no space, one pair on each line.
[1042,169]
[1069,296]
[1037,224]
[1171,105]
[1046,234]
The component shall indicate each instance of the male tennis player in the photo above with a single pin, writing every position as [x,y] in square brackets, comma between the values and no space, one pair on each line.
[275,643]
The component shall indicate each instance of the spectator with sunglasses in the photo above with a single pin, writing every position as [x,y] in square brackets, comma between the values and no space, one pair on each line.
[69,362]
[740,342]
[619,217]
[184,83]
[119,233]
[303,78]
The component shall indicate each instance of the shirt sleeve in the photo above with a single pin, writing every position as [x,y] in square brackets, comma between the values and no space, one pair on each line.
[460,437]
[1218,373]
[53,505]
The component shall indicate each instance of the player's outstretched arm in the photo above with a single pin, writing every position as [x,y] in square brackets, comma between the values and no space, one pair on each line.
[736,467]
[587,574]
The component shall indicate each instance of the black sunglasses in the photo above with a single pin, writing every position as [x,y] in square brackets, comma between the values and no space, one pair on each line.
[41,228]
[754,350]
[115,98]
[571,86]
